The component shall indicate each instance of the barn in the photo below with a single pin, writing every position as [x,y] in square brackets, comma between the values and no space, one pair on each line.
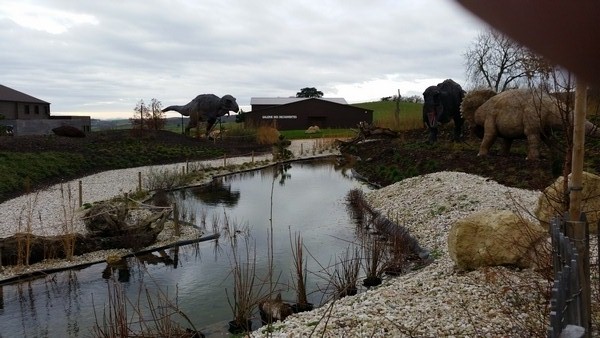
[300,113]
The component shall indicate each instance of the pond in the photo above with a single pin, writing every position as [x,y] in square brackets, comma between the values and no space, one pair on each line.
[305,197]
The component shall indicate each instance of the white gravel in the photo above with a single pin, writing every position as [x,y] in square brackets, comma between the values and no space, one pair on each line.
[432,302]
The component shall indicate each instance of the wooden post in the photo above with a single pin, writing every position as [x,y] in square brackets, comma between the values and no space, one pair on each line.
[183,170]
[224,160]
[575,184]
[80,194]
[301,148]
[176,219]
[187,166]
[578,228]
[139,181]
[252,156]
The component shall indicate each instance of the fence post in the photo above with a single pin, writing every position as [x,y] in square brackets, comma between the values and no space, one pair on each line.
[224,160]
[578,232]
[252,156]
[80,194]
[139,181]
[176,219]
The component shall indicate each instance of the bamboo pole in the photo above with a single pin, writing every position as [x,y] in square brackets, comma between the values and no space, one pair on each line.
[578,230]
[575,185]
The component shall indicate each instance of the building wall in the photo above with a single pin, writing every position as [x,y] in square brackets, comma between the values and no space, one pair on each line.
[24,111]
[307,113]
[22,127]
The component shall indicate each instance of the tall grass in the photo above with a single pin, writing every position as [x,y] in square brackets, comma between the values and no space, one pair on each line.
[69,207]
[300,270]
[267,135]
[25,228]
[147,316]
[246,291]
[345,274]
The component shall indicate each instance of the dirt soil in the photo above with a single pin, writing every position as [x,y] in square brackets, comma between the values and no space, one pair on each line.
[386,161]
[39,143]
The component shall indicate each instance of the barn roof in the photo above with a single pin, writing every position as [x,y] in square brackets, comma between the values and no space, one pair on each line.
[9,94]
[286,100]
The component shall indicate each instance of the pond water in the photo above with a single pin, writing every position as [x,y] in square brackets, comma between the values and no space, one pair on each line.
[306,197]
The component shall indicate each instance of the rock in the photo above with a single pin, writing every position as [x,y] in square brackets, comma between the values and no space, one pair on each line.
[492,238]
[272,310]
[550,203]
[312,130]
[68,131]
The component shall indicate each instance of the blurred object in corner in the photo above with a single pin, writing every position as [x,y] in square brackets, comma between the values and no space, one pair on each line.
[565,32]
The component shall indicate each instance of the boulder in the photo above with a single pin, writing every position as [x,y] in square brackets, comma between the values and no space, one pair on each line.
[312,130]
[68,131]
[551,202]
[492,238]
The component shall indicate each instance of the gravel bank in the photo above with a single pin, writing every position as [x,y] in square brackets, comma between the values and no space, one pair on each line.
[436,301]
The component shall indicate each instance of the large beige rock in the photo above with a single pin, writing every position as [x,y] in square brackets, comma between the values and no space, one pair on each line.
[551,202]
[491,238]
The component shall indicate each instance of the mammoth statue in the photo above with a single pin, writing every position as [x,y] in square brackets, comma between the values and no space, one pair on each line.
[515,114]
[442,103]
[205,107]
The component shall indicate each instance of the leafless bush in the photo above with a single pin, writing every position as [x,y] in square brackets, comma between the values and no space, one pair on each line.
[123,317]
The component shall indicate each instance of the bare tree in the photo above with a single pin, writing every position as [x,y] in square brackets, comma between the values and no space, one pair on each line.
[149,117]
[499,63]
[140,116]
[157,119]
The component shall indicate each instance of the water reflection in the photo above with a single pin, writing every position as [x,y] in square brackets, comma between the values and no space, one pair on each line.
[299,197]
[215,193]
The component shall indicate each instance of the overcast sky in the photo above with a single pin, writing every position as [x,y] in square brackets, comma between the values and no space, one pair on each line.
[99,58]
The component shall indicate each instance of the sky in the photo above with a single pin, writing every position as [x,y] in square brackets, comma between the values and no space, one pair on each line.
[100,58]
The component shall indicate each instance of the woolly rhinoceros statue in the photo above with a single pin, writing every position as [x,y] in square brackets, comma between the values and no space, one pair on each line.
[515,114]
[206,107]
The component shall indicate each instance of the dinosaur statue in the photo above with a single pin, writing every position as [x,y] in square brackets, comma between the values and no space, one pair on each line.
[205,107]
[441,104]
[515,114]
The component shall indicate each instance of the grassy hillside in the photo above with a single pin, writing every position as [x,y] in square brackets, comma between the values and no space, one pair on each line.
[410,116]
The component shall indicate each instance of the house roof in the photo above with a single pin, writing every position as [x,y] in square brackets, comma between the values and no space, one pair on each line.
[286,100]
[9,94]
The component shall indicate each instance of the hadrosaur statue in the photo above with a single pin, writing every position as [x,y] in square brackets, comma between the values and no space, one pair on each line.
[441,103]
[206,107]
[515,114]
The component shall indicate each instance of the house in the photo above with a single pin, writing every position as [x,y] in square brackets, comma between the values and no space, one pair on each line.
[286,113]
[23,114]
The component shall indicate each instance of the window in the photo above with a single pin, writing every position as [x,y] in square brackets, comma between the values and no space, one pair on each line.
[37,110]
[26,109]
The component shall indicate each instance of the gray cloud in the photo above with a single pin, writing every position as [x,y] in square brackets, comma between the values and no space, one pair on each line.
[88,57]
